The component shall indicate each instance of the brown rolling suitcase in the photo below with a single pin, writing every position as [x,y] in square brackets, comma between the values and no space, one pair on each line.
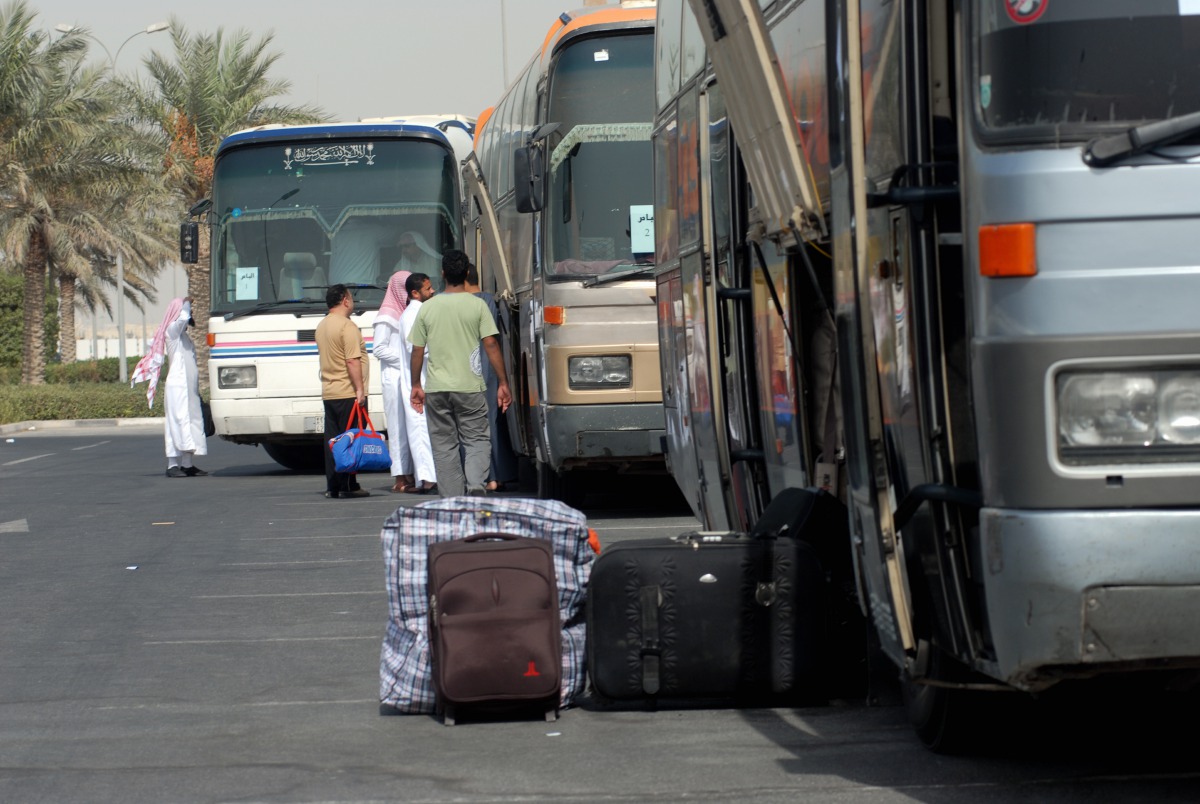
[494,627]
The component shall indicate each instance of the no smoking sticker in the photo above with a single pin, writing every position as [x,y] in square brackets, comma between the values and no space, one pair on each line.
[1024,12]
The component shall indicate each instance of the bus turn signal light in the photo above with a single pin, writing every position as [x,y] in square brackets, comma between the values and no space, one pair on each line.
[554,315]
[212,339]
[1007,250]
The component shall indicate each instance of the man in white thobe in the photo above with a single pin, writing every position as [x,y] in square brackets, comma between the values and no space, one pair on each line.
[386,347]
[419,289]
[183,421]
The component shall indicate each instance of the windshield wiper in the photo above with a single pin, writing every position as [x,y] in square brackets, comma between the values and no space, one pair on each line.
[604,279]
[1139,139]
[267,307]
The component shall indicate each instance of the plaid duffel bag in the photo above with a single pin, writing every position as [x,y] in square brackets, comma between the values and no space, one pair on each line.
[405,673]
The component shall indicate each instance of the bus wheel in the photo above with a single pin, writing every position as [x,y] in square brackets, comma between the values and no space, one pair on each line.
[552,485]
[946,719]
[306,458]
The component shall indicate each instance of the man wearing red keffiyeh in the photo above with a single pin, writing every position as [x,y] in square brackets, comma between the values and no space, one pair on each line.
[184,421]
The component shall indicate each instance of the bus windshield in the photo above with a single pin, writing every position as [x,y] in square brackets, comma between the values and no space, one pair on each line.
[600,199]
[293,217]
[1066,70]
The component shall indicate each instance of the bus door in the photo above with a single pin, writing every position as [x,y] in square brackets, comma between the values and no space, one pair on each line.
[488,244]
[871,270]
[738,444]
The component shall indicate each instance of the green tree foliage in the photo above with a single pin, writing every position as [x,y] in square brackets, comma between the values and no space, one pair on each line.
[12,295]
[77,181]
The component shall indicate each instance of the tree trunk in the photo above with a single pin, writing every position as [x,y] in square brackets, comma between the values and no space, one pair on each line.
[33,352]
[200,292]
[66,316]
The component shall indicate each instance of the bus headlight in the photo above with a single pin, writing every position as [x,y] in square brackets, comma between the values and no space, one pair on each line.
[607,371]
[1179,410]
[237,377]
[1136,416]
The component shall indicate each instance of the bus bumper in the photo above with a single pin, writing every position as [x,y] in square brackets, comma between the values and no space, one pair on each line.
[599,435]
[1078,594]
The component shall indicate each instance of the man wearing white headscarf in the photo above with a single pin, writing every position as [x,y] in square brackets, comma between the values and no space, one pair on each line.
[386,347]
[417,256]
[184,421]
[420,289]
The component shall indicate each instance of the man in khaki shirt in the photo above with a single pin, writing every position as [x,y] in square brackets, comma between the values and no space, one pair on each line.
[343,382]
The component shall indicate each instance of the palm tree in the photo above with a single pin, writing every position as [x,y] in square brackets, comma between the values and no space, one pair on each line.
[43,119]
[72,174]
[213,85]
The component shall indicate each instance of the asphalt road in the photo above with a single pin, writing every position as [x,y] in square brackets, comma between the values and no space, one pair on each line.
[217,639]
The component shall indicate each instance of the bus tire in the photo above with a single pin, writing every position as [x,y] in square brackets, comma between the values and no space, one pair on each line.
[306,458]
[561,486]
[951,720]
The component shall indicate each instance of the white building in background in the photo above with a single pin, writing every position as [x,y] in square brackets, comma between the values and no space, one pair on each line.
[97,335]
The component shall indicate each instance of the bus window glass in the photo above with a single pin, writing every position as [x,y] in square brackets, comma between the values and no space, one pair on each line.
[666,214]
[526,111]
[799,39]
[689,169]
[693,45]
[599,162]
[489,152]
[1070,68]
[776,367]
[718,145]
[881,30]
[292,220]
[505,140]
[667,43]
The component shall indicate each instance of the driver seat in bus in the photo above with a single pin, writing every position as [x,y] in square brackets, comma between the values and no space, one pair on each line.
[301,276]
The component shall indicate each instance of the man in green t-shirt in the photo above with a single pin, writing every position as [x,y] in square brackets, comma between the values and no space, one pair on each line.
[451,333]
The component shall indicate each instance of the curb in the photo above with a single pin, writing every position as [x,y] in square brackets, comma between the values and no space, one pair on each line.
[66,424]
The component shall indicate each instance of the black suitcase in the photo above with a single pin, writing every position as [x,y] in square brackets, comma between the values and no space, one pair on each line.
[495,637]
[702,616]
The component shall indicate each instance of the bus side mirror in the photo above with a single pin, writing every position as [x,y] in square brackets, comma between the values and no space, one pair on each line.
[527,178]
[189,243]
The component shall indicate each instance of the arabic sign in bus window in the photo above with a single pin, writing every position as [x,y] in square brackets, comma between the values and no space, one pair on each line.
[641,228]
[247,283]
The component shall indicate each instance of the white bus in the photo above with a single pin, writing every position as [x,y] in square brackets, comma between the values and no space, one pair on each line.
[295,209]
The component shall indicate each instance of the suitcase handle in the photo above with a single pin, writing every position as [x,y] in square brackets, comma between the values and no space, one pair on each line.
[478,537]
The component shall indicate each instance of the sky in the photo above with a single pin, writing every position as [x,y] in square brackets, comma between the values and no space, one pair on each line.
[352,58]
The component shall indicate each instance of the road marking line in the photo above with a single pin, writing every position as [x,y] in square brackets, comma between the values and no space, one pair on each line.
[287,563]
[287,594]
[193,706]
[600,528]
[15,526]
[23,460]
[375,637]
[89,446]
[288,538]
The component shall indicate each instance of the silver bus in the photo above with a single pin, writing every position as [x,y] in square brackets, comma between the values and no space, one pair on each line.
[944,268]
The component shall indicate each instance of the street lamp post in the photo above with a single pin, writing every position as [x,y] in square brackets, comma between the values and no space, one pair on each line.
[154,27]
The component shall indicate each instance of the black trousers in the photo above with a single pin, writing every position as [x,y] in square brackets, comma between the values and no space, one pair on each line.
[337,413]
